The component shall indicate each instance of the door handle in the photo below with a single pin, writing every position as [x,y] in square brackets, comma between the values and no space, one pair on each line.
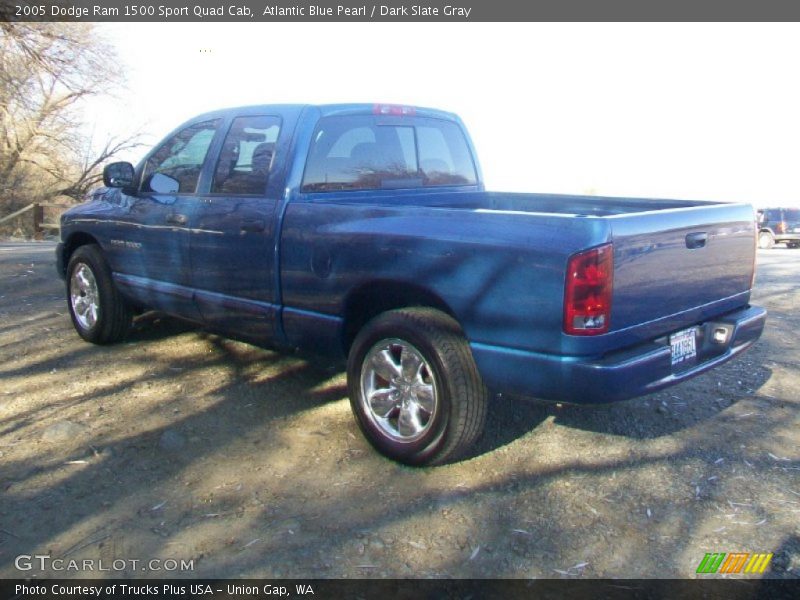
[696,240]
[254,226]
[176,219]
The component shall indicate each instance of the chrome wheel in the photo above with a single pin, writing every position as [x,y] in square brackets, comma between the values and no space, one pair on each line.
[84,296]
[398,390]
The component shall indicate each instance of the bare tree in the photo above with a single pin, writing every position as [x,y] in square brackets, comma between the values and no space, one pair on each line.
[46,71]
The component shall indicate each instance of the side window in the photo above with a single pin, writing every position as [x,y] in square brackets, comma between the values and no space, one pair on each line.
[359,153]
[182,156]
[246,156]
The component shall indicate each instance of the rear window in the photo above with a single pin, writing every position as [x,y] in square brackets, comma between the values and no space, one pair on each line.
[370,152]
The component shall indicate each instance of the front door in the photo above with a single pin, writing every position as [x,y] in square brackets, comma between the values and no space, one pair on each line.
[151,237]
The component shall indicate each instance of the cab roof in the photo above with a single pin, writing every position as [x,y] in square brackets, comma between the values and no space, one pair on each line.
[326,110]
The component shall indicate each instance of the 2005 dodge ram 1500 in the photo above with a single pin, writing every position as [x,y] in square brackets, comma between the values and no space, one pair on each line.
[364,232]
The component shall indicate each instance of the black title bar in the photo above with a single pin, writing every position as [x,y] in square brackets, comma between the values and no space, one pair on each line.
[393,10]
[406,589]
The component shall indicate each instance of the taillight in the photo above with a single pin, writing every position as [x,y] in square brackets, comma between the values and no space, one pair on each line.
[393,110]
[587,297]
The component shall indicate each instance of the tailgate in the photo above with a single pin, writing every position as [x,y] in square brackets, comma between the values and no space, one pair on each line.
[672,261]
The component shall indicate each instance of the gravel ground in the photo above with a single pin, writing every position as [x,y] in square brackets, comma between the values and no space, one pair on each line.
[183,445]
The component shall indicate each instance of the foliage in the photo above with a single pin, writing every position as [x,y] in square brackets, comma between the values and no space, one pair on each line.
[47,71]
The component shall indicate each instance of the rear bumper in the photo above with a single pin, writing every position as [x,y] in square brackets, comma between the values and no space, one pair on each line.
[619,375]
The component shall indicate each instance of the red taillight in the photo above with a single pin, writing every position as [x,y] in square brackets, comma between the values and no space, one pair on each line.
[394,110]
[587,298]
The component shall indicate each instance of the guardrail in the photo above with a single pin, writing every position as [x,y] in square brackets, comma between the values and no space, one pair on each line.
[37,217]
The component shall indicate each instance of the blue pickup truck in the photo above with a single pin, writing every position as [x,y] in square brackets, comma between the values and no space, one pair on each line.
[364,233]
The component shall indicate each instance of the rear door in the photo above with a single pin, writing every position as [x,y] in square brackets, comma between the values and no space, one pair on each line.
[233,240]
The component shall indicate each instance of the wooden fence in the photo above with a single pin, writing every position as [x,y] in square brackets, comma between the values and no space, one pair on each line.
[37,219]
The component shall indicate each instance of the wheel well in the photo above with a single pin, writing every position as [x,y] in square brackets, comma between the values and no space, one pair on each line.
[75,241]
[376,297]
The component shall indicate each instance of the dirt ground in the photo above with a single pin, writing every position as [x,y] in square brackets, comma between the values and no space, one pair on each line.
[180,445]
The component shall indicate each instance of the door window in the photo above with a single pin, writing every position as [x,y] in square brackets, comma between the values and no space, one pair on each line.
[181,157]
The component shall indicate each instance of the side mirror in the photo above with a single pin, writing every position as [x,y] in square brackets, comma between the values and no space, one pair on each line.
[119,175]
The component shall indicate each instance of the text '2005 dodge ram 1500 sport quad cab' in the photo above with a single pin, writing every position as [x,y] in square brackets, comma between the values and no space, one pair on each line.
[364,232]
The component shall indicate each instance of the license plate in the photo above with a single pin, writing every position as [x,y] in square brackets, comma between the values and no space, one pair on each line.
[684,346]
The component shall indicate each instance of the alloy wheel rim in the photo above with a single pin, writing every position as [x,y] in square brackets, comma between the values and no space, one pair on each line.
[398,390]
[84,296]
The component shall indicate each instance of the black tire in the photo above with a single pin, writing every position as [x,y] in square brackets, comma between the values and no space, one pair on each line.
[793,245]
[765,240]
[111,320]
[447,371]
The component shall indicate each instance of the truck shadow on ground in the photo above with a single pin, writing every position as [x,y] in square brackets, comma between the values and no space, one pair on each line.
[667,412]
[152,326]
[653,416]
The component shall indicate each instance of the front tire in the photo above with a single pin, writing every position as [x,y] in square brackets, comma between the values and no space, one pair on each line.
[414,387]
[99,314]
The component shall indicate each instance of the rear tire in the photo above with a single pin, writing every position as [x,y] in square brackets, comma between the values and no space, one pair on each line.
[765,240]
[99,314]
[414,387]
